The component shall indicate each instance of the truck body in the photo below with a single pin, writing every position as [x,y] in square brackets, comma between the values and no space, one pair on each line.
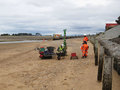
[57,36]
[110,25]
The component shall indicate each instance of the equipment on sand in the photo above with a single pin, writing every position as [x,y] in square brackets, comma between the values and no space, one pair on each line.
[73,56]
[47,53]
[64,49]
[61,53]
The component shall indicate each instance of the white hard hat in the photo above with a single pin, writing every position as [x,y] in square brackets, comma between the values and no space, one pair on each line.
[62,44]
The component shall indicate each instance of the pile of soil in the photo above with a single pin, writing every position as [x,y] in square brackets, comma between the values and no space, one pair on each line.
[116,40]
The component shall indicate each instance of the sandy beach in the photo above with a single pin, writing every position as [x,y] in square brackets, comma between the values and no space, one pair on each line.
[22,69]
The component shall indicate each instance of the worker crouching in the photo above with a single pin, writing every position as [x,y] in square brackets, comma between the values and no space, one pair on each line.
[60,52]
[84,49]
[61,48]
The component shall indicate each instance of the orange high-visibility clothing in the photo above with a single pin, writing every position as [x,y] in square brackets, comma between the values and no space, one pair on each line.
[84,49]
[85,39]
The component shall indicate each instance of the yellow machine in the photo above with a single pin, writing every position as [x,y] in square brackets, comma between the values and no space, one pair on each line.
[57,36]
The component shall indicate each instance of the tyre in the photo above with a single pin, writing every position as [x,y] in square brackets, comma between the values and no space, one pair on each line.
[76,57]
[58,57]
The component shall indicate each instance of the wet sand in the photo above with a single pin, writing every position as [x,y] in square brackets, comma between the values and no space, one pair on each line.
[22,69]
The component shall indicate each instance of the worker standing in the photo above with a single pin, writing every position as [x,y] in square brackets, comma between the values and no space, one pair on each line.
[84,49]
[85,38]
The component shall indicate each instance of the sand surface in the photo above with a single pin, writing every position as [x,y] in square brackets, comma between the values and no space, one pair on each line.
[22,69]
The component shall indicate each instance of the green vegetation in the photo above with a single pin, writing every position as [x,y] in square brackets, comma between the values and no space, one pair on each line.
[118,21]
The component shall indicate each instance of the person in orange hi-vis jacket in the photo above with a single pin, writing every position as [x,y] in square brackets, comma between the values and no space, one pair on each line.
[84,49]
[85,38]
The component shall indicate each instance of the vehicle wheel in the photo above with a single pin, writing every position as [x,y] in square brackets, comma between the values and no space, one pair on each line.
[58,57]
[76,57]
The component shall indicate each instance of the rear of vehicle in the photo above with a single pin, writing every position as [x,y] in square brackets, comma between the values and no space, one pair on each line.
[57,36]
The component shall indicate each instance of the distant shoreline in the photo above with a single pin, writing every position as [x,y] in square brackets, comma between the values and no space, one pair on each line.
[9,40]
[28,38]
[21,38]
[24,41]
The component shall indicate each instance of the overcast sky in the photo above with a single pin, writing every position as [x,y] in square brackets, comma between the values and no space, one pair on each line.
[52,16]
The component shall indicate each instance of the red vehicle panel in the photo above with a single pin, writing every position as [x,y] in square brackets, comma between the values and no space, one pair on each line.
[110,25]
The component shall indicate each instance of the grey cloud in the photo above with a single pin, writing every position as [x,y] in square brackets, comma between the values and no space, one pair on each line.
[53,16]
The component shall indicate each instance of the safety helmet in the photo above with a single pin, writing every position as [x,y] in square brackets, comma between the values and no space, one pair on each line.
[62,45]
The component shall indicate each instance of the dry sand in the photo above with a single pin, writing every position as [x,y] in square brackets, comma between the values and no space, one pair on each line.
[22,69]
